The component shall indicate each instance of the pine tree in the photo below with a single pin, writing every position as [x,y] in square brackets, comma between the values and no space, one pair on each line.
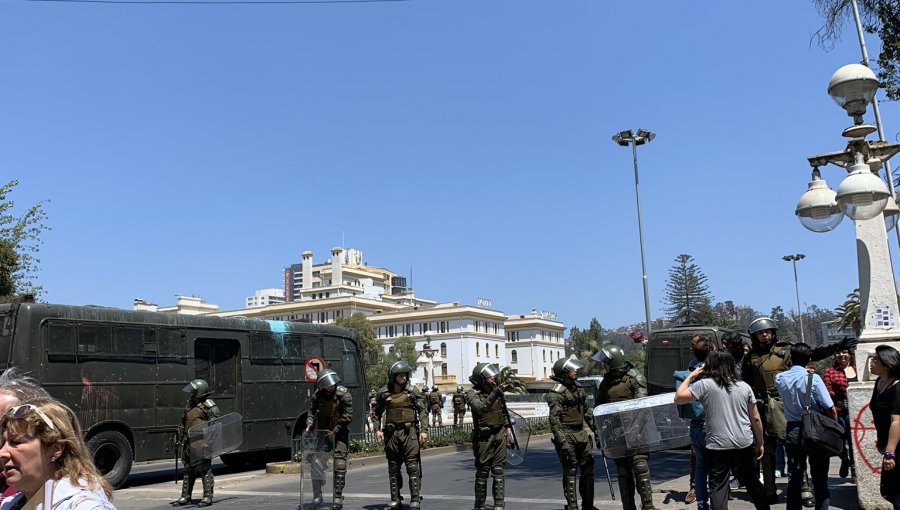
[687,293]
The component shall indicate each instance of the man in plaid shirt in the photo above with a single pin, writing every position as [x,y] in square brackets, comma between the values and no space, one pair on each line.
[836,382]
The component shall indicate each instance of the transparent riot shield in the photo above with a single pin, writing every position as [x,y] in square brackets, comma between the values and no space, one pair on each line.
[316,470]
[217,436]
[641,425]
[518,439]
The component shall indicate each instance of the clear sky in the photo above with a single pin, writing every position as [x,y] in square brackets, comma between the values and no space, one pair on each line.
[199,149]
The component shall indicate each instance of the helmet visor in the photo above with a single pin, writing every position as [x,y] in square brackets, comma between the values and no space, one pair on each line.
[327,380]
[489,371]
[189,388]
[601,356]
[572,364]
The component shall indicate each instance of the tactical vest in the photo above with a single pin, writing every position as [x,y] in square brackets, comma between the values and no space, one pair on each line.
[493,417]
[459,401]
[399,408]
[327,404]
[434,399]
[617,390]
[767,366]
[197,415]
[572,413]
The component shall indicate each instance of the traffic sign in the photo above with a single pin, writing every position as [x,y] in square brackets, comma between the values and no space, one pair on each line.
[312,367]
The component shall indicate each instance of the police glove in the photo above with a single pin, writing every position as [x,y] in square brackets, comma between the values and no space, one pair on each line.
[848,344]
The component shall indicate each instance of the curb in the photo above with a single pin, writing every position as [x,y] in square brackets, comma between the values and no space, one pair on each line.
[293,468]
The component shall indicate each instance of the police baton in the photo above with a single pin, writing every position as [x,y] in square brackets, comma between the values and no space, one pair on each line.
[608,478]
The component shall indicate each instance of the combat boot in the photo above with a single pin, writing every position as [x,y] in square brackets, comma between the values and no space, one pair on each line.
[395,503]
[339,480]
[498,488]
[570,491]
[317,492]
[806,493]
[586,490]
[187,487]
[480,489]
[207,489]
[646,492]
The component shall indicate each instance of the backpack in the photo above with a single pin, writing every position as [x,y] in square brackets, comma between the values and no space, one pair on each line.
[692,410]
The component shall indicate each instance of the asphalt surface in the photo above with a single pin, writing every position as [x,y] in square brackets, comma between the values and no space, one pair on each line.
[447,484]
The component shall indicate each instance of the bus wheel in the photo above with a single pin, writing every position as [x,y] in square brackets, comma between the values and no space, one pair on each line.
[112,455]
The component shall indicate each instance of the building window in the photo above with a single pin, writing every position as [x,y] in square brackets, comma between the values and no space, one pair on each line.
[443,369]
[496,350]
[477,326]
[408,329]
[513,356]
[443,326]
[545,354]
[545,372]
[496,329]
[444,350]
[477,349]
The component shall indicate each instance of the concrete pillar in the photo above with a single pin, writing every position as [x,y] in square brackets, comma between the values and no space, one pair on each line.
[307,269]
[337,266]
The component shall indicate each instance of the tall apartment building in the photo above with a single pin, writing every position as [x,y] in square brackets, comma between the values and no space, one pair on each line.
[346,267]
[265,297]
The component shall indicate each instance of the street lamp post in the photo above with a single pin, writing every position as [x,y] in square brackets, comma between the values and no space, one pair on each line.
[626,138]
[794,259]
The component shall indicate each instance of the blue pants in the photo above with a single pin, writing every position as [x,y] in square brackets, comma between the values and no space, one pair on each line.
[701,484]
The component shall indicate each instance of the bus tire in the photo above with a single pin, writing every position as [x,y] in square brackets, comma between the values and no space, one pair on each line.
[112,455]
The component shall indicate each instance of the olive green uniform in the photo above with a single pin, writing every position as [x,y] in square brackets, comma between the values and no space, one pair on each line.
[633,471]
[434,404]
[489,442]
[403,415]
[333,412]
[759,370]
[197,414]
[459,408]
[568,414]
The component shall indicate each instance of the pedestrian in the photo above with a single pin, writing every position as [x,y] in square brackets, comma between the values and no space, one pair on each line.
[199,411]
[792,386]
[701,346]
[401,422]
[436,405]
[459,406]
[732,425]
[489,433]
[15,388]
[370,411]
[569,413]
[733,343]
[768,357]
[622,382]
[332,411]
[45,458]
[885,408]
[836,379]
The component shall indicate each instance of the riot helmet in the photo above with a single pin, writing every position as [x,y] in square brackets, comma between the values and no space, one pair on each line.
[562,367]
[613,355]
[459,389]
[481,372]
[761,324]
[399,367]
[327,378]
[434,388]
[198,388]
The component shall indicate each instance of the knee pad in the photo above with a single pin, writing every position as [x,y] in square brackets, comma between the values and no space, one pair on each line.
[340,465]
[497,471]
[412,467]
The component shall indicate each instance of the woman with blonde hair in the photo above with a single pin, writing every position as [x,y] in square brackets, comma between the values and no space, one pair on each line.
[44,456]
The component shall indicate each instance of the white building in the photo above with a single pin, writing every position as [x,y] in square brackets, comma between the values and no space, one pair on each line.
[265,297]
[187,305]
[533,344]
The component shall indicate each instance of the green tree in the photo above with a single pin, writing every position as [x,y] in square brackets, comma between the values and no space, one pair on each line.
[22,234]
[881,17]
[687,293]
[373,354]
[848,314]
[507,376]
[8,265]
[781,321]
[583,343]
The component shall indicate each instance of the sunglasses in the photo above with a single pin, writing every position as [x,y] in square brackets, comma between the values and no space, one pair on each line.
[21,411]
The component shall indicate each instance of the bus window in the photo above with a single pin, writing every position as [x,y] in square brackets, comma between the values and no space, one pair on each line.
[312,346]
[293,349]
[264,347]
[60,338]
[6,332]
[216,362]
[172,343]
[130,341]
[350,361]
[94,339]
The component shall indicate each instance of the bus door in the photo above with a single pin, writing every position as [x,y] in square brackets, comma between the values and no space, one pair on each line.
[218,362]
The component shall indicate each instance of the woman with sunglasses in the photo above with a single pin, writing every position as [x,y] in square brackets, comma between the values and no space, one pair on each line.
[44,456]
[15,388]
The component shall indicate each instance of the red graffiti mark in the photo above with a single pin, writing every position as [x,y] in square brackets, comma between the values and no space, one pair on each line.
[860,428]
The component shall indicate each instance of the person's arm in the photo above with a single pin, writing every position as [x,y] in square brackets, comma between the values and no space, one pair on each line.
[311,415]
[823,398]
[756,426]
[480,405]
[346,412]
[422,411]
[376,416]
[683,395]
[554,401]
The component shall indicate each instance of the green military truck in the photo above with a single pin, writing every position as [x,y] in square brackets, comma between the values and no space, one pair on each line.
[122,373]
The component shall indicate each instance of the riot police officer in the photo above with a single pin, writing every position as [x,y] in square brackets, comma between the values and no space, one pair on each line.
[434,403]
[332,410]
[459,406]
[489,433]
[768,357]
[622,382]
[404,428]
[199,411]
[569,413]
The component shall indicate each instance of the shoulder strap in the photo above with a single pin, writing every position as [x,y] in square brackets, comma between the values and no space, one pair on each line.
[809,383]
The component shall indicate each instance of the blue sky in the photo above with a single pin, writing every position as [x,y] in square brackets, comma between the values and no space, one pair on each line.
[199,149]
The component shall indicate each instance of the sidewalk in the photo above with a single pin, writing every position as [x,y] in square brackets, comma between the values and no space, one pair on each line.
[669,494]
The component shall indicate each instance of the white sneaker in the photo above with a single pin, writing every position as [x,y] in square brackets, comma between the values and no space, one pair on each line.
[777,474]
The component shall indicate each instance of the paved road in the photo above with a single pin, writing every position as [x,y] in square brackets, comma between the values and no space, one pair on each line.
[447,482]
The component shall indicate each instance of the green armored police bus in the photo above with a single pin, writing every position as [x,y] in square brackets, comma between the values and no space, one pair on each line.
[122,372]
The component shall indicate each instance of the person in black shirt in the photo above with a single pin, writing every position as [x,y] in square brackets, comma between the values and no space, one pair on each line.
[885,407]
